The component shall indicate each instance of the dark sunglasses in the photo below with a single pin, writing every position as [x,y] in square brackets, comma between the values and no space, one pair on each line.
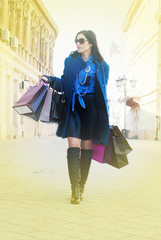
[81,41]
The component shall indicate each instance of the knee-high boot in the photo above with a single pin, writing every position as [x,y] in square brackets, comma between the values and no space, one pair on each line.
[73,158]
[86,157]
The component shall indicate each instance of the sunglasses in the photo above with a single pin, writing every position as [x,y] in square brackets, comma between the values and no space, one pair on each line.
[81,41]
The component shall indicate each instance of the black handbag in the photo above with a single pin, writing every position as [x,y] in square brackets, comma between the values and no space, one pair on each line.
[58,107]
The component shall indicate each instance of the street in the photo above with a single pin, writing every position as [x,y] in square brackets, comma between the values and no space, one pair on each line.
[118,203]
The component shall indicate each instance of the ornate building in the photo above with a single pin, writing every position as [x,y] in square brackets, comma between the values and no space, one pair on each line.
[27,38]
[142,28]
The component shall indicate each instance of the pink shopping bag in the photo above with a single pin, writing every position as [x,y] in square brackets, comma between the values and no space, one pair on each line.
[98,152]
[102,153]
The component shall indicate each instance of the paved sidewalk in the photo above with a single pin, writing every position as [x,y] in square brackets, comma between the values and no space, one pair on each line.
[120,204]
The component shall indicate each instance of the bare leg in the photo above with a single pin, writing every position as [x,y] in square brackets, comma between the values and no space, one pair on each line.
[73,142]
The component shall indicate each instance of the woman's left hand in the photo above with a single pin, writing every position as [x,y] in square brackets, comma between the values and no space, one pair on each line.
[44,78]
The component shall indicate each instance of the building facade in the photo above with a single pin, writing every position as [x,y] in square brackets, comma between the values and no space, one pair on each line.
[142,28]
[27,38]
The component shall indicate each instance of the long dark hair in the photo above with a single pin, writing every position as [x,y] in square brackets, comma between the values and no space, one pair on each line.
[91,37]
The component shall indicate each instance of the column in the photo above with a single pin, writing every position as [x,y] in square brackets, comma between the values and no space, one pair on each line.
[33,41]
[46,48]
[159,80]
[51,49]
[3,120]
[19,22]
[38,44]
[4,14]
[43,44]
[26,28]
[12,18]
[33,33]
[37,36]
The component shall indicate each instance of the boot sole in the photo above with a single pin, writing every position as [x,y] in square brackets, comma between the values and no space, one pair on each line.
[75,201]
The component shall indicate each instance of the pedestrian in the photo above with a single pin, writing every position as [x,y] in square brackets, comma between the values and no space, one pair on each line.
[84,83]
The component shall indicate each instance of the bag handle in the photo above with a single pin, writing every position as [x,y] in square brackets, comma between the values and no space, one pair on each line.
[41,82]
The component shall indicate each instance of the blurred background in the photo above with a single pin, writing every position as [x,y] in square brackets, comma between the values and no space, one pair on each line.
[36,37]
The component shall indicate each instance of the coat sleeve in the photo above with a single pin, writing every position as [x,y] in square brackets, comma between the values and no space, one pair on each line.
[55,82]
[106,71]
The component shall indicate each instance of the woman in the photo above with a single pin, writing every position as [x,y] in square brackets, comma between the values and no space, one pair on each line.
[84,82]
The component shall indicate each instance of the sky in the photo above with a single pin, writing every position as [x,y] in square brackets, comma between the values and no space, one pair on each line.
[104,17]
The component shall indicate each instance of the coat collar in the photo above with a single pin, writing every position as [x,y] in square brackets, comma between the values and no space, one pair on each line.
[79,57]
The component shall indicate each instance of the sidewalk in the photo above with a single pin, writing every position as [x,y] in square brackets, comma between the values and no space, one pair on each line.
[120,204]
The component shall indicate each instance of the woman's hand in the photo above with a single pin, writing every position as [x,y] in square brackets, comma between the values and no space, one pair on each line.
[44,78]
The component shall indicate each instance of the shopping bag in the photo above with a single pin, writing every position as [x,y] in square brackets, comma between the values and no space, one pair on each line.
[30,101]
[123,143]
[98,152]
[119,155]
[45,113]
[102,153]
[115,153]
[36,115]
